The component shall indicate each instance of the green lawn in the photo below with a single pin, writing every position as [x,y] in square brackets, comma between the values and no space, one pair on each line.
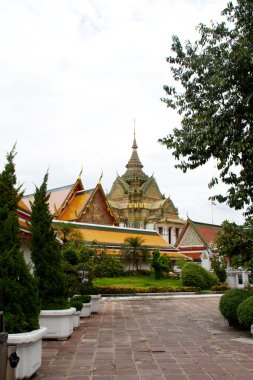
[139,281]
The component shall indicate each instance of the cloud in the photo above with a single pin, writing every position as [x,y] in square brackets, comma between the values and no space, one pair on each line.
[74,74]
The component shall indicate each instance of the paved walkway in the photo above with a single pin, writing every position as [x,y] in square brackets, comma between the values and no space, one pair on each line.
[151,339]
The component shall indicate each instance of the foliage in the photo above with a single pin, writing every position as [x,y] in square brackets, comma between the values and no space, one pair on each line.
[160,264]
[151,289]
[229,303]
[142,272]
[220,287]
[46,254]
[245,312]
[134,253]
[236,242]
[216,102]
[78,305]
[219,268]
[194,275]
[72,276]
[84,298]
[107,265]
[18,289]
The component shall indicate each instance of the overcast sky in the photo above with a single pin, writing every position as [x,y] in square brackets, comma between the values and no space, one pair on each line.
[75,74]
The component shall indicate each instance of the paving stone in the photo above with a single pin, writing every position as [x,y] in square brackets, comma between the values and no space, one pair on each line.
[151,339]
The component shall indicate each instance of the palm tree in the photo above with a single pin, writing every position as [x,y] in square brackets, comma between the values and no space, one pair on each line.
[134,252]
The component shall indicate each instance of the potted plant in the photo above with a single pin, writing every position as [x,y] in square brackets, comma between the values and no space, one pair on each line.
[90,289]
[78,305]
[56,313]
[86,302]
[18,289]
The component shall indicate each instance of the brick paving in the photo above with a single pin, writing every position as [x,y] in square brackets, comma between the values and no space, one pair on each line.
[151,339]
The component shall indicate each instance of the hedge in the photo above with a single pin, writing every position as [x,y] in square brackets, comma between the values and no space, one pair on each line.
[195,275]
[245,312]
[151,289]
[230,302]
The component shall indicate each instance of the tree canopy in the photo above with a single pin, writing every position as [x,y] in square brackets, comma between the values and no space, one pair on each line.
[215,100]
[236,242]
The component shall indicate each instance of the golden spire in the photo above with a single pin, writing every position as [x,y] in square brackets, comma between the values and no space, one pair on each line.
[100,178]
[81,171]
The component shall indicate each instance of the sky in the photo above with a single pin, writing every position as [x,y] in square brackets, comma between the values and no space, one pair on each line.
[74,76]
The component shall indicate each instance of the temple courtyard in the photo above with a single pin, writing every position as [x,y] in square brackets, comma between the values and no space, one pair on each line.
[151,338]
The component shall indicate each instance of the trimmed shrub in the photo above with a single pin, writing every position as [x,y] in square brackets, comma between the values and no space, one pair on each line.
[82,298]
[229,303]
[151,289]
[195,275]
[220,287]
[245,312]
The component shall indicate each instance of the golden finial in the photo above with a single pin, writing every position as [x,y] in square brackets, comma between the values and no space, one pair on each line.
[80,172]
[100,178]
[55,209]
[76,215]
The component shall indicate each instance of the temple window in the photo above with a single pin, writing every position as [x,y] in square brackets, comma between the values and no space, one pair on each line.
[160,230]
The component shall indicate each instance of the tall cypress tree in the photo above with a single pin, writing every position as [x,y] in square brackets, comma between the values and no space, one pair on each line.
[46,254]
[18,290]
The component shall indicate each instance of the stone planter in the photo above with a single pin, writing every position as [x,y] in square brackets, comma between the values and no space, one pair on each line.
[76,319]
[86,310]
[95,301]
[59,323]
[29,350]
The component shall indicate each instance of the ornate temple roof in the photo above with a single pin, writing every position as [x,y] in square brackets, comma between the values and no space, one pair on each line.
[134,167]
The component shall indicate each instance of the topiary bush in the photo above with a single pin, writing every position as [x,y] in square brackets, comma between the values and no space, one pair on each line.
[76,303]
[230,302]
[245,312]
[194,275]
[82,298]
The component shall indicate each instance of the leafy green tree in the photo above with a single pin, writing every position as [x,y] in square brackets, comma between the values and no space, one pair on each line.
[134,252]
[18,289]
[160,264]
[46,254]
[219,267]
[215,99]
[236,243]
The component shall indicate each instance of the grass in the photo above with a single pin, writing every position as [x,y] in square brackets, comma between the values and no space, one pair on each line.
[139,281]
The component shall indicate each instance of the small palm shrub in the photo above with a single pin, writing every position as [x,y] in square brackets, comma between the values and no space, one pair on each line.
[195,275]
[245,312]
[230,302]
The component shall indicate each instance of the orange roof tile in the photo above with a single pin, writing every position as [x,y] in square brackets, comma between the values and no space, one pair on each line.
[208,232]
[23,206]
[75,207]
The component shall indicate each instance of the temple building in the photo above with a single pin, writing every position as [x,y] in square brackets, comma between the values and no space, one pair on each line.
[137,202]
[74,203]
[197,239]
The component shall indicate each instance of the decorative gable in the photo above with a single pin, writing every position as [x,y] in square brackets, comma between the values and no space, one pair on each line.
[151,190]
[98,210]
[190,238]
